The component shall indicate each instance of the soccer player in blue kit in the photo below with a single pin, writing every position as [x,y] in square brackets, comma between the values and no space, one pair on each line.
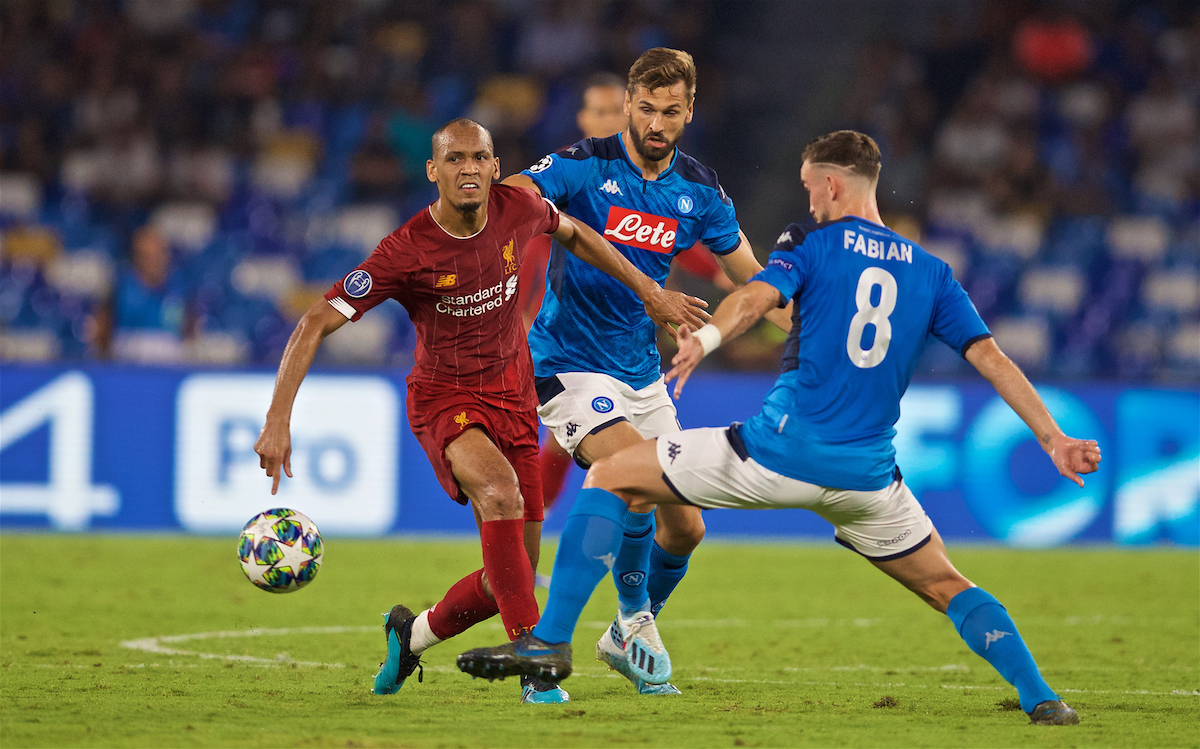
[865,301]
[597,367]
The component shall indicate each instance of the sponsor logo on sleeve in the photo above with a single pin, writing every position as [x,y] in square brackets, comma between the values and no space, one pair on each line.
[357,284]
[643,230]
[685,204]
[542,165]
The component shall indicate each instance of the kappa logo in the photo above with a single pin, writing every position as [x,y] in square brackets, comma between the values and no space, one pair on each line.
[542,165]
[609,560]
[644,230]
[446,281]
[611,187]
[357,284]
[572,427]
[633,579]
[673,450]
[462,420]
[994,635]
[785,237]
[508,252]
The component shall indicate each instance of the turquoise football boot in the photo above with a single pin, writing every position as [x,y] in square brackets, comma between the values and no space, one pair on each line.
[536,692]
[400,661]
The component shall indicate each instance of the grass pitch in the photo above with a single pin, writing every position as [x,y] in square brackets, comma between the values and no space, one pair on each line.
[142,641]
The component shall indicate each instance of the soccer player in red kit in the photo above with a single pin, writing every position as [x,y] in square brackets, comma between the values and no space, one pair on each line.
[471,401]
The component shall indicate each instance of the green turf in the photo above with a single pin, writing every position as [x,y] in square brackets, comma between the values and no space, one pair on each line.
[782,645]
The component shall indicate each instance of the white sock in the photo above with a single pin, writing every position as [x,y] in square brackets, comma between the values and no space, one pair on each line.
[422,637]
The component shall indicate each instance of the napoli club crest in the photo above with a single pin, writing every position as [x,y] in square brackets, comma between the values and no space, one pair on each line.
[602,404]
[357,284]
[685,204]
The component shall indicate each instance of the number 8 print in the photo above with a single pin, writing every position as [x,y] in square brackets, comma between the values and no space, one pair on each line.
[872,315]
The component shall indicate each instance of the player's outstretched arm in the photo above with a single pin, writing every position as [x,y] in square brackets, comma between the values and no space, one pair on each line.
[665,308]
[1071,456]
[740,266]
[734,316]
[274,445]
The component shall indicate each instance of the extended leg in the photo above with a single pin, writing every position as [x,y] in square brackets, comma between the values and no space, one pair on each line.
[983,623]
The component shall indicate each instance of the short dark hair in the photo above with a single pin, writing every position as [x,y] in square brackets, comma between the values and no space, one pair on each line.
[856,151]
[440,133]
[603,80]
[662,68]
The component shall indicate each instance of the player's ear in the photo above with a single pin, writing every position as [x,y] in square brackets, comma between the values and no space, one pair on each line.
[430,171]
[688,117]
[496,173]
[627,106]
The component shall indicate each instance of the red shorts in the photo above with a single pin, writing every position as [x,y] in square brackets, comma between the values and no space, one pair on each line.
[438,421]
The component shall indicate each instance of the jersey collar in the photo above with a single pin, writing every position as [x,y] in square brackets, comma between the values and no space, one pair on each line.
[455,236]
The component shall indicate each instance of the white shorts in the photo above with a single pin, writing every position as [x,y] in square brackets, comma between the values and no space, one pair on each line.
[709,468]
[576,404]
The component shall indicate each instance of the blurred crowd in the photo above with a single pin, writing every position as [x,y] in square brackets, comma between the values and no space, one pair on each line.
[1053,159]
[180,179]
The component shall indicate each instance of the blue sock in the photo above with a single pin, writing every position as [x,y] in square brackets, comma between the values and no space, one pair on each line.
[989,631]
[666,570]
[629,573]
[587,550]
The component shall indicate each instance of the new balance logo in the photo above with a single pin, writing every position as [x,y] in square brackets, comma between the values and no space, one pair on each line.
[994,635]
[611,187]
[673,449]
[572,427]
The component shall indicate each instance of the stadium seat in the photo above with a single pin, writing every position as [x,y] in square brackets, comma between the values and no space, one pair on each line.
[1019,235]
[1027,340]
[1183,348]
[1176,291]
[148,347]
[29,345]
[361,227]
[1058,290]
[218,347]
[32,245]
[86,273]
[265,277]
[188,226]
[1144,238]
[20,196]
[951,251]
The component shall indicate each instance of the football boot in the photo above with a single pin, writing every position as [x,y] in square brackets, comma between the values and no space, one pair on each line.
[536,692]
[610,650]
[644,650]
[400,661]
[1053,713]
[525,656]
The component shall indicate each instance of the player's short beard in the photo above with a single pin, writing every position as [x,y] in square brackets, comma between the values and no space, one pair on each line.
[648,152]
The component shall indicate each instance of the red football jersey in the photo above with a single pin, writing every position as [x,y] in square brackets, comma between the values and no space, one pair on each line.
[461,295]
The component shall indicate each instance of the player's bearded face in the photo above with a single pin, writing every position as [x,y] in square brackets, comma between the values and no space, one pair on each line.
[657,119]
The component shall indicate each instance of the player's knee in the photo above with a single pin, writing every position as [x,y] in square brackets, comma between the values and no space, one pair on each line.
[500,500]
[603,474]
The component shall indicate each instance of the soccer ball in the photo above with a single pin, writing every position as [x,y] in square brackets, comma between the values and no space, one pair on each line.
[280,550]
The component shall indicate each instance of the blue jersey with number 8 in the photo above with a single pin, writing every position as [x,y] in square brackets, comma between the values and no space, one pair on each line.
[866,301]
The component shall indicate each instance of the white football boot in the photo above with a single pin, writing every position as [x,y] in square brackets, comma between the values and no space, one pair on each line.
[632,648]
